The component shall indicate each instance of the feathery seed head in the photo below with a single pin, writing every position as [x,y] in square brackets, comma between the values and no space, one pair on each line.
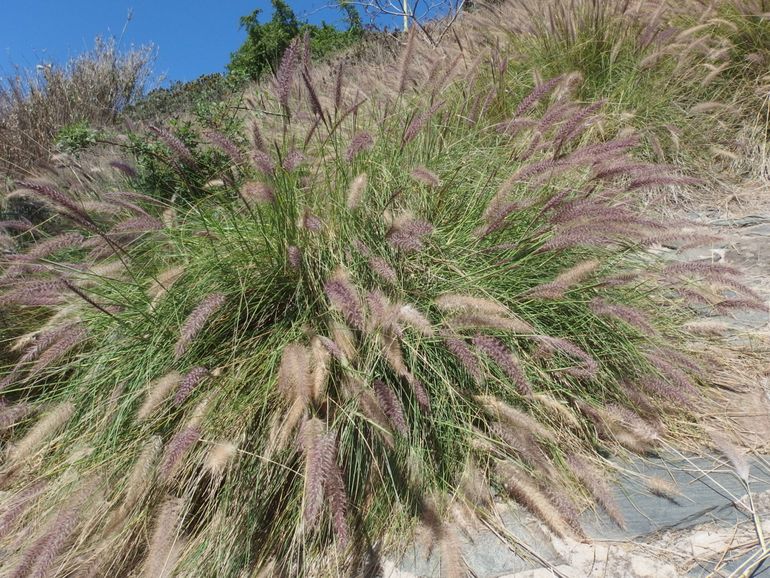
[504,358]
[356,191]
[219,456]
[223,143]
[180,149]
[46,427]
[258,192]
[161,551]
[124,168]
[176,449]
[407,232]
[294,256]
[344,297]
[263,162]
[294,373]
[157,392]
[293,161]
[361,142]
[196,321]
[286,71]
[424,176]
[191,379]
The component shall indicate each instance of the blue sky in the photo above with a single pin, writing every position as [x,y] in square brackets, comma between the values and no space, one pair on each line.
[192,37]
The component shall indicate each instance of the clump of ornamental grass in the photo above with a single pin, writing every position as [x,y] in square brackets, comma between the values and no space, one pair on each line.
[347,335]
[689,85]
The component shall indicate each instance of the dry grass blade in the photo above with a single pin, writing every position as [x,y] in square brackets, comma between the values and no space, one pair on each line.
[164,545]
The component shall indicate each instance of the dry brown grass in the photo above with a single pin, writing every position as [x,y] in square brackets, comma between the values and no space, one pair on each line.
[93,87]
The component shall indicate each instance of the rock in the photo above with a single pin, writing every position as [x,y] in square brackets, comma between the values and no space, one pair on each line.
[707,487]
[746,221]
[757,230]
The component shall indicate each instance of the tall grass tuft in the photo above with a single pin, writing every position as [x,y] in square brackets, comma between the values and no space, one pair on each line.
[305,361]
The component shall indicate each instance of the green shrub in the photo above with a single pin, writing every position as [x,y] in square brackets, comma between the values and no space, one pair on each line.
[265,43]
[76,137]
[200,97]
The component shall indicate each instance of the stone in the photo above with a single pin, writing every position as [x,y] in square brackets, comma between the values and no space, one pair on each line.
[757,230]
[746,221]
[708,490]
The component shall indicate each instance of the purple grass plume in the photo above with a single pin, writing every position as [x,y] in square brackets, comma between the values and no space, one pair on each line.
[323,479]
[426,177]
[16,506]
[356,191]
[344,297]
[361,142]
[312,222]
[536,95]
[36,293]
[39,557]
[176,449]
[338,504]
[284,77]
[419,121]
[295,379]
[315,102]
[294,257]
[391,405]
[12,415]
[189,382]
[53,245]
[66,342]
[338,85]
[664,389]
[630,315]
[407,232]
[293,161]
[588,367]
[256,135]
[18,225]
[263,162]
[504,358]
[224,144]
[180,150]
[319,461]
[196,321]
[64,203]
[464,355]
[124,168]
[599,489]
[576,124]
[420,393]
[256,192]
[406,61]
[382,269]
